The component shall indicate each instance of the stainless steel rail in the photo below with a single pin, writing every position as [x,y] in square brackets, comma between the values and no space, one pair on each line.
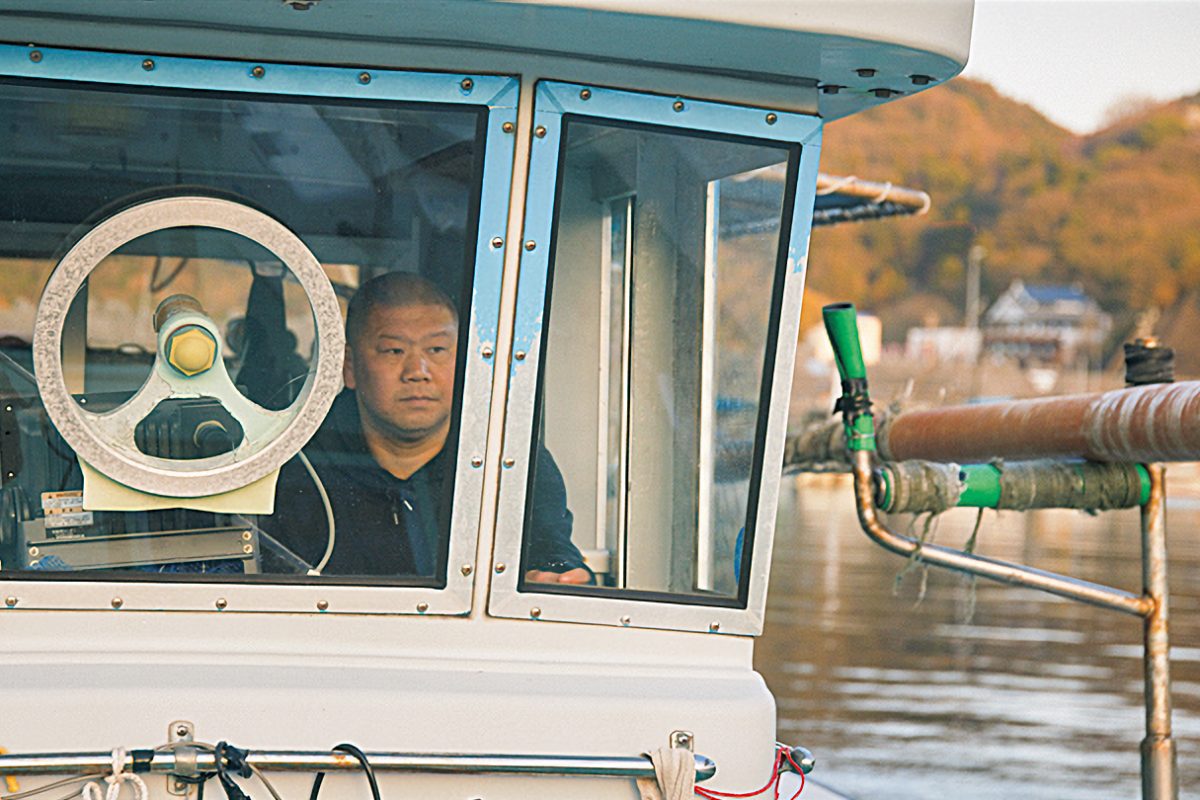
[324,761]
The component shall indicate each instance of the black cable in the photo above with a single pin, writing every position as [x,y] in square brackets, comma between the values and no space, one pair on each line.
[361,757]
[230,759]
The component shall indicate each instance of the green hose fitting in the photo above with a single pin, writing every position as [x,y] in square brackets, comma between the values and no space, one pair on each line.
[841,324]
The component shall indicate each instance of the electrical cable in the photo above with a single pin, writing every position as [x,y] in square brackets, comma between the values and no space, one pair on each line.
[332,537]
[202,778]
[63,782]
[361,757]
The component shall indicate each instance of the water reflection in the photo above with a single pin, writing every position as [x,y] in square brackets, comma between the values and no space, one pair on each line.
[1035,696]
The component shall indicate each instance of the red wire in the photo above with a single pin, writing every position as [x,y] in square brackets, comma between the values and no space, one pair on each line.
[772,782]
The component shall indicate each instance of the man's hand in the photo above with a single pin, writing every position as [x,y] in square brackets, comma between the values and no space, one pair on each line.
[579,575]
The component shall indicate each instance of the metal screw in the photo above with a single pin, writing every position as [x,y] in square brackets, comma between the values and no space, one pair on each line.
[117,602]
[678,105]
[83,401]
[220,604]
[508,127]
[519,355]
[585,94]
[625,620]
[10,474]
[772,119]
[10,601]
[466,569]
[714,626]
[246,536]
[831,88]
[509,461]
[535,612]
[247,549]
[182,731]
[682,740]
[921,80]
[148,64]
[540,131]
[33,551]
[35,56]
[476,461]
[486,351]
[467,84]
[500,567]
[364,78]
[865,72]
[258,72]
[531,245]
[8,408]
[422,607]
[322,605]
[497,242]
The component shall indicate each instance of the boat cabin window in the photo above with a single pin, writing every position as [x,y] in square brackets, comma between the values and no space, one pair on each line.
[667,246]
[371,188]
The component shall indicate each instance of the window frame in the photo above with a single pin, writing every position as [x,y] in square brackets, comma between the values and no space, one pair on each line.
[496,96]
[628,608]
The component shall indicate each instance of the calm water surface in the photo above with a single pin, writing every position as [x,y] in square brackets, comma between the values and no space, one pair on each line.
[1035,697]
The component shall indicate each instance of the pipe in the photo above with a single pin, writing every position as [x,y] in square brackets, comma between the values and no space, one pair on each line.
[1160,777]
[1152,423]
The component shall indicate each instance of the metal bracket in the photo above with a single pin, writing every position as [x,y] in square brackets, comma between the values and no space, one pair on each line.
[179,731]
[683,740]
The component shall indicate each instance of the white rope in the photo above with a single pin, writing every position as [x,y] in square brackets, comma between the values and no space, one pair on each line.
[91,791]
[674,775]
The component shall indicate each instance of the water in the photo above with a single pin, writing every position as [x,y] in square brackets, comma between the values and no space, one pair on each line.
[1035,697]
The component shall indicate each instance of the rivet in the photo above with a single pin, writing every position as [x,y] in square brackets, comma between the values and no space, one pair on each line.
[585,94]
[500,567]
[531,245]
[508,127]
[772,119]
[33,551]
[247,549]
[865,72]
[625,620]
[10,601]
[466,569]
[714,626]
[884,93]
[540,131]
[364,78]
[10,474]
[220,604]
[535,612]
[117,602]
[467,84]
[258,72]
[476,461]
[8,408]
[509,461]
[83,401]
[921,80]
[678,105]
[486,351]
[322,605]
[148,64]
[831,88]
[35,56]
[519,355]
[497,243]
[246,535]
[422,607]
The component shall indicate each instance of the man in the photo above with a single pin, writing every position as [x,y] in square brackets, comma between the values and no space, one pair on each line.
[381,452]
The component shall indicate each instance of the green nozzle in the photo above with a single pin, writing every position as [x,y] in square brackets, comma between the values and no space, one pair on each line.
[841,323]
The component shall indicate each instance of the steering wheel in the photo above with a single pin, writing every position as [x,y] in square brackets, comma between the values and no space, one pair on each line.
[188,359]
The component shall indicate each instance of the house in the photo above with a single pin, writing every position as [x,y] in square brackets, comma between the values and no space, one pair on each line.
[1045,325]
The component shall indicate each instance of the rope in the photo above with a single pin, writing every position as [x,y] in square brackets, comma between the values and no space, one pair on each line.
[920,486]
[91,790]
[1057,484]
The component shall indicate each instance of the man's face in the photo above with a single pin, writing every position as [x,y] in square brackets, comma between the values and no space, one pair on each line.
[402,367]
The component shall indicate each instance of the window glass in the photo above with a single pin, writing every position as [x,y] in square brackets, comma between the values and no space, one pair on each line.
[657,333]
[371,189]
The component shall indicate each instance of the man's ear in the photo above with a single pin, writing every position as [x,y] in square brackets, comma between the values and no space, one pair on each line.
[348,368]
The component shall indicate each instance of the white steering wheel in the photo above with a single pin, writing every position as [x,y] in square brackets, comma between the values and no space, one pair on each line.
[188,360]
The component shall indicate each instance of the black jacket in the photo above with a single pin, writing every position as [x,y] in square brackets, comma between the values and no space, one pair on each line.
[388,526]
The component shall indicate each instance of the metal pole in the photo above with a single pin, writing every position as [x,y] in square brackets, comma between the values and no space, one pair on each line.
[1160,779]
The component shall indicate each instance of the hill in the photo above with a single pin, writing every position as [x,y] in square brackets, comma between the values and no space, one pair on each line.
[1117,211]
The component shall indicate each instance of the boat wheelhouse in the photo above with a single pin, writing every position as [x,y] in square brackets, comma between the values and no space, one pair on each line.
[610,204]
